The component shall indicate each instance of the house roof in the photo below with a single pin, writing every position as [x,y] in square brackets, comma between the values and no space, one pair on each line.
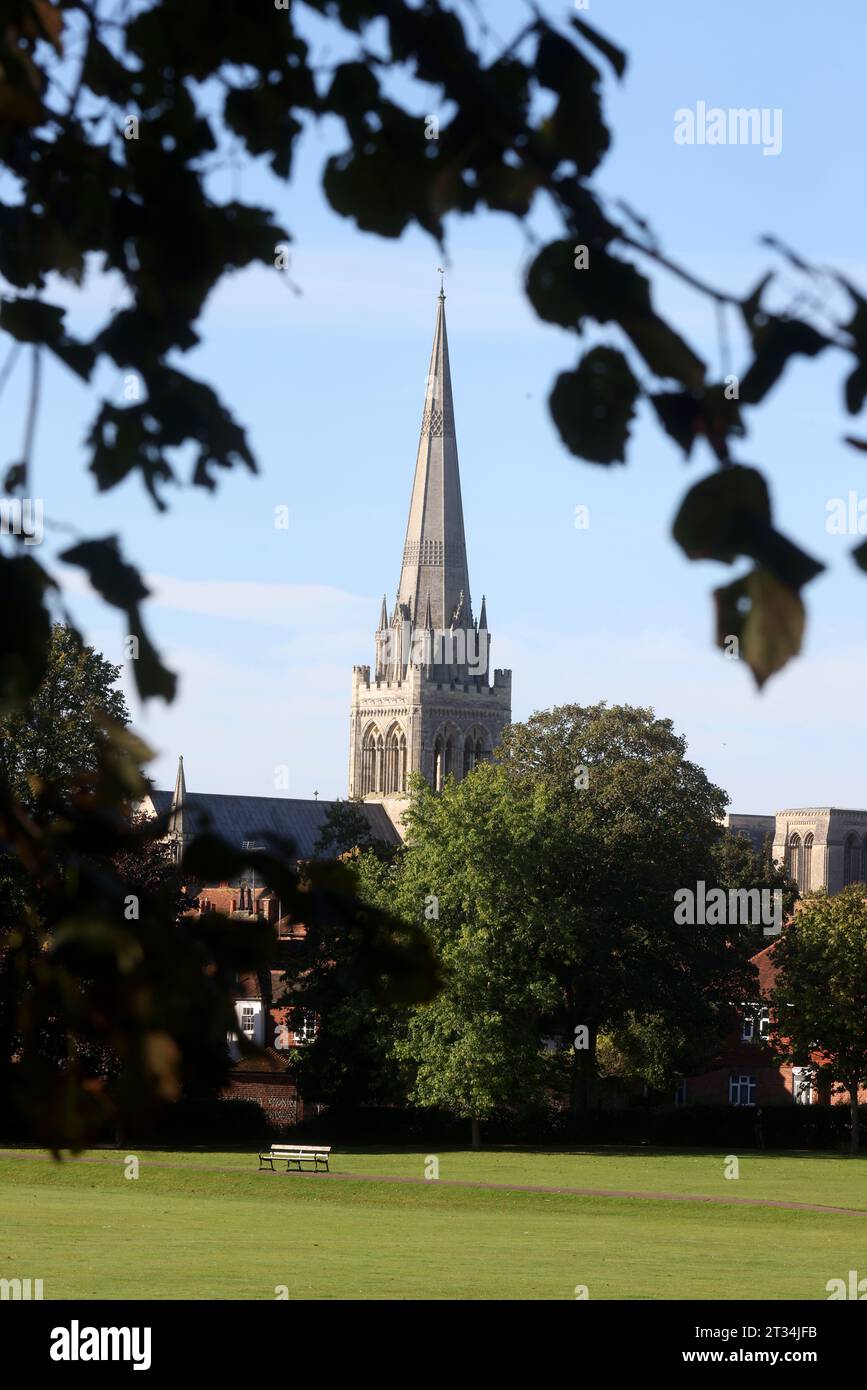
[267,1059]
[767,968]
[240,818]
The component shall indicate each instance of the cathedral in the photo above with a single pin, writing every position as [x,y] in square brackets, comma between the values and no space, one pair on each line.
[430,705]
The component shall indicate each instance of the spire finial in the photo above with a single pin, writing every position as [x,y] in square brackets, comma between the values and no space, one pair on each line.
[441,271]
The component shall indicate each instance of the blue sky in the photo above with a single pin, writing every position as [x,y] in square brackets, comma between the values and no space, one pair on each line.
[264,625]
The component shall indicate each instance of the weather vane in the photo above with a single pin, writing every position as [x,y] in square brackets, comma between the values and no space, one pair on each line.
[441,271]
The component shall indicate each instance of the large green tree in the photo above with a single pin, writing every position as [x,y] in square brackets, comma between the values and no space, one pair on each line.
[56,737]
[547,882]
[819,1000]
[472,874]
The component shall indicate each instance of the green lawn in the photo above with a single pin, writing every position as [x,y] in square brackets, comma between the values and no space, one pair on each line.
[213,1227]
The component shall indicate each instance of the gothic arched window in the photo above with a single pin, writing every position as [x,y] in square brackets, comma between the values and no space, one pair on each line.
[438,765]
[392,761]
[806,865]
[368,762]
[793,857]
[379,772]
[401,768]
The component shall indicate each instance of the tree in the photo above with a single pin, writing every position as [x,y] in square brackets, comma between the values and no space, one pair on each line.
[633,822]
[819,1000]
[57,736]
[469,875]
[553,875]
[352,1060]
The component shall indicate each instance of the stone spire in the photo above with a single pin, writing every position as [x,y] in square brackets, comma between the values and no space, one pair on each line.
[176,811]
[433,706]
[435,552]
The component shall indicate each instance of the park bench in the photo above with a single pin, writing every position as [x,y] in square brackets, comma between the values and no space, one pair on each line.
[297,1153]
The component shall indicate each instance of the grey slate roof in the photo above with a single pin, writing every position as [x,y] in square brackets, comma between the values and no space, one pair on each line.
[240,818]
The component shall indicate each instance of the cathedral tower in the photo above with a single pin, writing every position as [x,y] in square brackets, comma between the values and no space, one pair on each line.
[430,705]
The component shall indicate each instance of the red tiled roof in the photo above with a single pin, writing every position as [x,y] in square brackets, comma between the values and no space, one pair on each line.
[267,1060]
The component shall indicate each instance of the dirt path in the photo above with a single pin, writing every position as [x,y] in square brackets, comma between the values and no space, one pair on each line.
[39,1157]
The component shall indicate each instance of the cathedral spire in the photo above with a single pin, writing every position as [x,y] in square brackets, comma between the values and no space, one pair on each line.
[435,551]
[433,705]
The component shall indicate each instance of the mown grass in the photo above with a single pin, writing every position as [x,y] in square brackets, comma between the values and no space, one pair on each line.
[209,1226]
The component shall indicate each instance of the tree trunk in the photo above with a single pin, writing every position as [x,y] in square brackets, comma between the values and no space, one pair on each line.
[476,1128]
[854,1136]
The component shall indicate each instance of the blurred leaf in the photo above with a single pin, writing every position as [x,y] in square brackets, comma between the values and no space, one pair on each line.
[121,585]
[576,130]
[729,514]
[26,629]
[31,321]
[710,522]
[615,55]
[775,341]
[767,618]
[593,406]
[687,416]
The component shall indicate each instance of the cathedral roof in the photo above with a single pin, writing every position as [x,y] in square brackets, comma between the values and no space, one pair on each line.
[435,551]
[240,818]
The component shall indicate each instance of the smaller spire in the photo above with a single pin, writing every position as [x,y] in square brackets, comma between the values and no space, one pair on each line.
[176,812]
[483,616]
[180,792]
[383,617]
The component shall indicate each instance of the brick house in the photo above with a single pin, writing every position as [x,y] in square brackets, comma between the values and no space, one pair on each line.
[746,1070]
[263,1004]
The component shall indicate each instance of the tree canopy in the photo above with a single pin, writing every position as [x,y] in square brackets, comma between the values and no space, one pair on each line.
[549,898]
[819,1000]
[57,736]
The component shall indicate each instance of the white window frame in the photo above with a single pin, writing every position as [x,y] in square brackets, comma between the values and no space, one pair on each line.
[738,1083]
